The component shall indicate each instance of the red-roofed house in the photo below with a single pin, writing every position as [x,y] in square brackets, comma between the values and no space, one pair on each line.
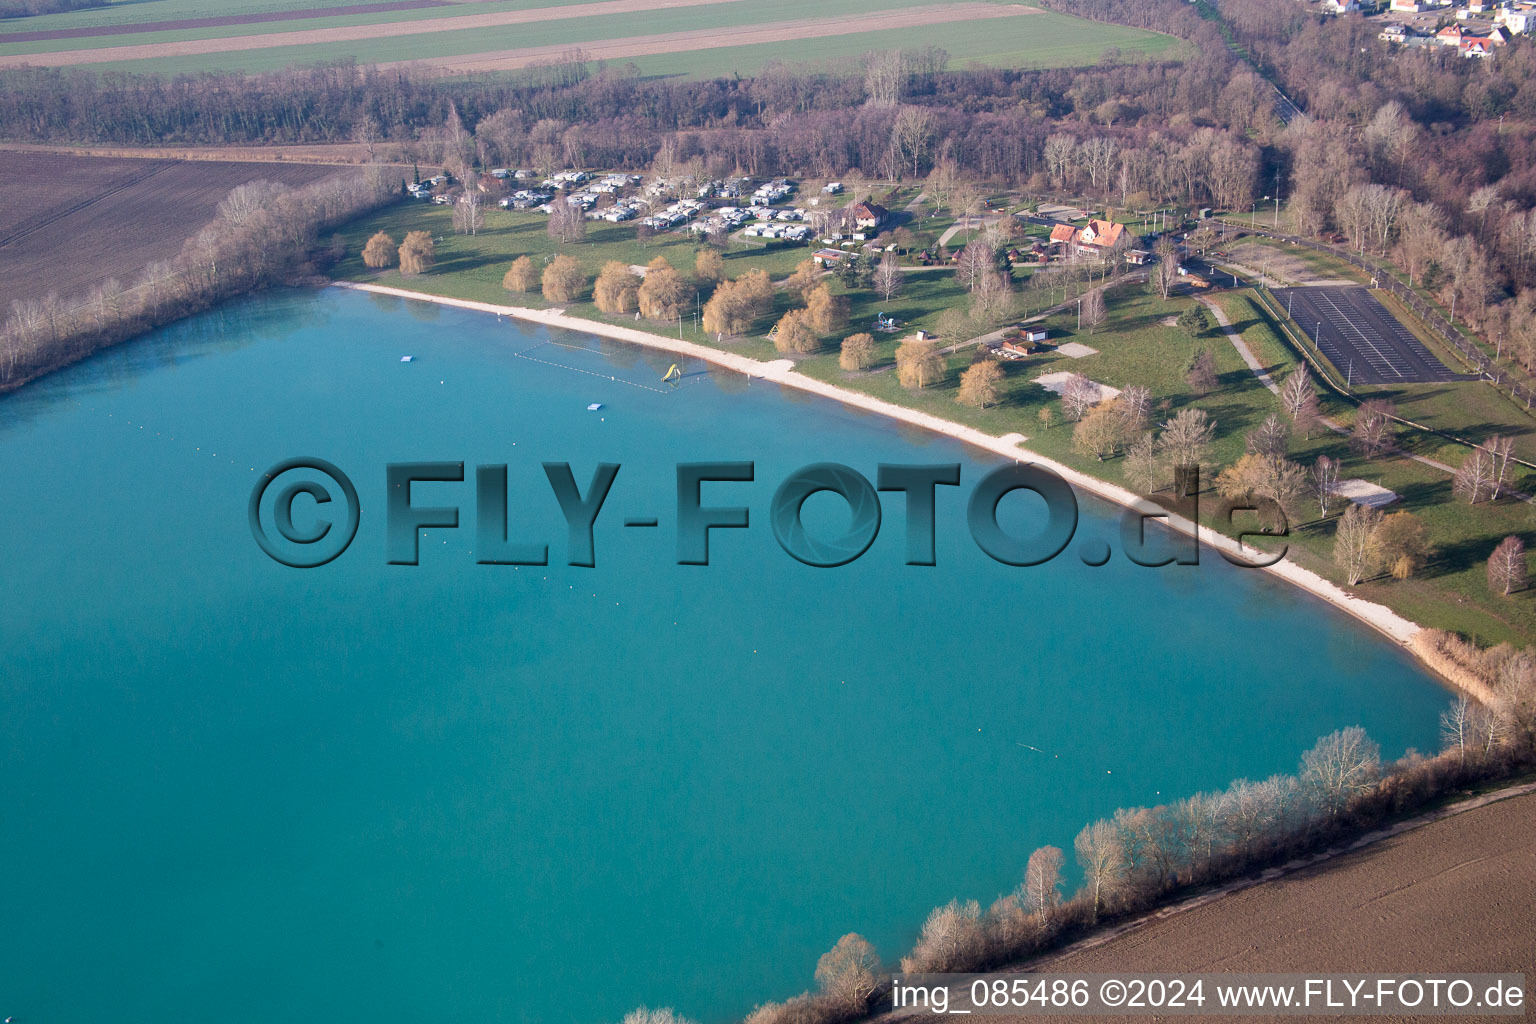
[869,216]
[1100,236]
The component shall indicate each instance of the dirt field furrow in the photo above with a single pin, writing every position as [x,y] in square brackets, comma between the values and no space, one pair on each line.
[709,39]
[1456,895]
[101,217]
[350,33]
[218,21]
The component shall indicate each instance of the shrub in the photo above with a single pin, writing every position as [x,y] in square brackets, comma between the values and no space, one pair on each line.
[417,253]
[521,277]
[563,279]
[380,252]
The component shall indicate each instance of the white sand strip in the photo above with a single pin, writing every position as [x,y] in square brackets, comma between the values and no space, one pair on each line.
[1056,384]
[781,371]
[1076,350]
[1363,492]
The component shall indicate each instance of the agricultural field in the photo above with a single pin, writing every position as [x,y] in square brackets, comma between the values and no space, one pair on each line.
[81,220]
[662,37]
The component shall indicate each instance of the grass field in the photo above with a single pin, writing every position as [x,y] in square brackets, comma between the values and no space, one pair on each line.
[1037,40]
[1452,590]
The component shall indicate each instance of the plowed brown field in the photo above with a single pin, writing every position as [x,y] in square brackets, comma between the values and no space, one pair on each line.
[72,222]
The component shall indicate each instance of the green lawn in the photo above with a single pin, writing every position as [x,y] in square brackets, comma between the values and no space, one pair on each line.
[1452,592]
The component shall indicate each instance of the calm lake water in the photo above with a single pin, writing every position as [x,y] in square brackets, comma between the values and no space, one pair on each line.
[237,792]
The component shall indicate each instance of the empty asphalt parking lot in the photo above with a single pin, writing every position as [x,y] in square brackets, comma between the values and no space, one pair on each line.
[1362,338]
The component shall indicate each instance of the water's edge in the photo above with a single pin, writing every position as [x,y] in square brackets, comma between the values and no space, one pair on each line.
[1384,620]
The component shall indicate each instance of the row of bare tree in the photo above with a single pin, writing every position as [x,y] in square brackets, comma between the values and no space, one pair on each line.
[1141,856]
[264,233]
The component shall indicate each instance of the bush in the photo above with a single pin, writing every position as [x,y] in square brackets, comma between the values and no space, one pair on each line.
[858,352]
[617,288]
[380,252]
[521,277]
[417,253]
[563,279]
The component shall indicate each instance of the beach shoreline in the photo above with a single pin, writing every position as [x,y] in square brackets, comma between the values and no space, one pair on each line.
[781,371]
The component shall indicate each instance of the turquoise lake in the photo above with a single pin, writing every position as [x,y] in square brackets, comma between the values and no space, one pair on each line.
[232,791]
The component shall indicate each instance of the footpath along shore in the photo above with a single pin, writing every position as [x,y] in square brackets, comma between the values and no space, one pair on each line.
[782,371]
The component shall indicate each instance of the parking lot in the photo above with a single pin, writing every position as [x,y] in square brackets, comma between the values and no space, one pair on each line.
[1363,340]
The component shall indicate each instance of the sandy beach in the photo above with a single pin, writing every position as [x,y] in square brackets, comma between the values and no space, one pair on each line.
[782,371]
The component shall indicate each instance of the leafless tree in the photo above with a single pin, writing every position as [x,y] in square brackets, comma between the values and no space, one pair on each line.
[1506,566]
[889,277]
[1094,311]
[1102,856]
[1165,273]
[1500,449]
[1298,399]
[1136,407]
[665,1015]
[1060,155]
[1144,468]
[1325,477]
[950,940]
[1186,439]
[849,972]
[468,212]
[1352,548]
[1271,439]
[1078,395]
[567,223]
[993,299]
[1474,478]
[975,263]
[1456,727]
[1042,881]
[1341,765]
[1201,375]
[911,135]
[248,201]
[883,74]
[1097,156]
[1373,431]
